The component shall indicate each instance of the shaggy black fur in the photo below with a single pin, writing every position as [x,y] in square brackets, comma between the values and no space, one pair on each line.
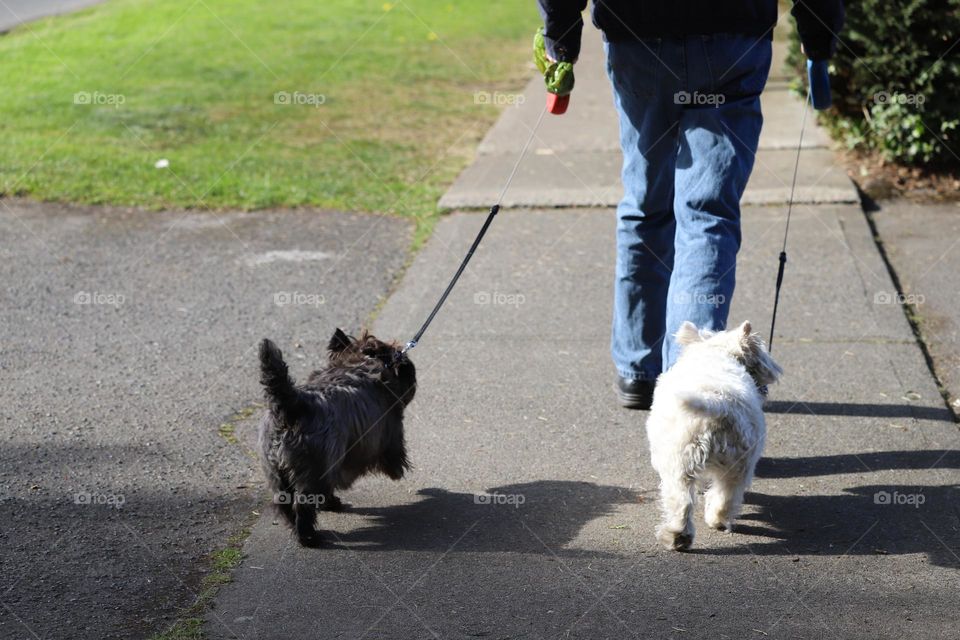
[346,421]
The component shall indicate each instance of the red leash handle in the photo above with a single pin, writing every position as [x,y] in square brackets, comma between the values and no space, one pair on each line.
[557,105]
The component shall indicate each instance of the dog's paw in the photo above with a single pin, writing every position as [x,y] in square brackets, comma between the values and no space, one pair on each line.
[719,524]
[311,539]
[675,540]
[394,473]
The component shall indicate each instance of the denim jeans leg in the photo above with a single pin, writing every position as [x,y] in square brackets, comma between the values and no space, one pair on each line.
[718,143]
[649,123]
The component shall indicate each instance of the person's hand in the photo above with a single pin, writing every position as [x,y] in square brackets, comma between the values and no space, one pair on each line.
[817,55]
[557,76]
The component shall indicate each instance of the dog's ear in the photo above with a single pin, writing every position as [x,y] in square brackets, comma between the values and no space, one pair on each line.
[756,357]
[687,333]
[338,342]
[744,333]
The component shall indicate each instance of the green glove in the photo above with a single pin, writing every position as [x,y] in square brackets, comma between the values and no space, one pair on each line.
[558,76]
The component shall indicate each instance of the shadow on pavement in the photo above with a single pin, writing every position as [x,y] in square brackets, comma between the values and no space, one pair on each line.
[857,463]
[506,522]
[864,521]
[858,409]
[892,519]
[101,556]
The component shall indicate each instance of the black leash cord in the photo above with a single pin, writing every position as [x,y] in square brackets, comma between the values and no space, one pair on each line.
[463,265]
[776,299]
[786,231]
[483,230]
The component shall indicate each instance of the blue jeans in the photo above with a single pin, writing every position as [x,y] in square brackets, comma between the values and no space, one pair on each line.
[690,122]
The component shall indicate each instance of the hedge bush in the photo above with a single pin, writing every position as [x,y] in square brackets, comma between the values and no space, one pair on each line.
[896,81]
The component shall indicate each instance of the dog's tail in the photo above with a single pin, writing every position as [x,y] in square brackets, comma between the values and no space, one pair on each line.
[277,383]
[711,404]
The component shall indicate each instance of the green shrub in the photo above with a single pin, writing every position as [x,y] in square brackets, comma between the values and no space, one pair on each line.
[896,81]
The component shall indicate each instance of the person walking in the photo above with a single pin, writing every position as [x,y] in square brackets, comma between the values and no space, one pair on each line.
[687,77]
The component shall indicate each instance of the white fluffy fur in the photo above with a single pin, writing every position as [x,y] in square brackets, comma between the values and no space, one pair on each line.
[706,427]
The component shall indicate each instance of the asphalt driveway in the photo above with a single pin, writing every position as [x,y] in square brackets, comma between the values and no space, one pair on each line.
[127,338]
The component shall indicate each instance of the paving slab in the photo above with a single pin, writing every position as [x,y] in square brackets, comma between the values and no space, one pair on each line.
[782,119]
[127,338]
[544,179]
[575,159]
[591,125]
[780,73]
[515,398]
[592,178]
[829,275]
[922,242]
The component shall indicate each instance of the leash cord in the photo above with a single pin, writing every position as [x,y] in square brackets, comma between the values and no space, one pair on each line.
[476,242]
[786,230]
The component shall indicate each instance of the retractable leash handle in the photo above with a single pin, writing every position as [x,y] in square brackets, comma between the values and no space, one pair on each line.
[557,105]
[559,80]
[557,76]
[818,78]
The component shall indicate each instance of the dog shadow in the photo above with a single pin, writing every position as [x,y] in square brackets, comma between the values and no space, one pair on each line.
[865,520]
[540,517]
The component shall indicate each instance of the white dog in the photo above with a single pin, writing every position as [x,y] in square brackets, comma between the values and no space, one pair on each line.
[706,427]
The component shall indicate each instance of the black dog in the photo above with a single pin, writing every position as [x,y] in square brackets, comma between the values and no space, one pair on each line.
[346,421]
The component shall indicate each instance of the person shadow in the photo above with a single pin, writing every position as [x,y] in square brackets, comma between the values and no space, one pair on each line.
[877,519]
[541,517]
[853,409]
[809,466]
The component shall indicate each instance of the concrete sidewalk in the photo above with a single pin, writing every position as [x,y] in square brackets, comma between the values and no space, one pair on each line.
[575,159]
[921,242]
[851,530]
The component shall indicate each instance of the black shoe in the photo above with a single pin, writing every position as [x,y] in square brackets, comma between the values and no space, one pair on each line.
[634,394]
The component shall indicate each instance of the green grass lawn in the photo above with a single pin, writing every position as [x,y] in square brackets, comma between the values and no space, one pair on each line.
[387,116]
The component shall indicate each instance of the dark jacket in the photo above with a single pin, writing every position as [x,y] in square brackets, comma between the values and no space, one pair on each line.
[818,21]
